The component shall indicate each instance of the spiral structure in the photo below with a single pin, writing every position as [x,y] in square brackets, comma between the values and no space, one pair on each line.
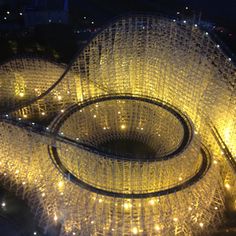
[130,138]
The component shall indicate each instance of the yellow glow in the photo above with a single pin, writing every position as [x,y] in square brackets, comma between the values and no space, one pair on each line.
[122,126]
[43,113]
[21,94]
[59,97]
[60,184]
[127,205]
[55,218]
[135,230]
[175,219]
[201,224]
[157,228]
[227,186]
[152,202]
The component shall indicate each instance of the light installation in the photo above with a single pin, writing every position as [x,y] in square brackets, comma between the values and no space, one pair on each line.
[135,137]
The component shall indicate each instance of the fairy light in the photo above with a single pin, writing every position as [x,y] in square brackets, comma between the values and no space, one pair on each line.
[227,186]
[151,202]
[55,218]
[157,228]
[135,230]
[123,127]
[21,94]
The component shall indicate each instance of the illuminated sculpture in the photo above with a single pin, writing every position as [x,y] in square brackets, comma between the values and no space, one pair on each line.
[162,86]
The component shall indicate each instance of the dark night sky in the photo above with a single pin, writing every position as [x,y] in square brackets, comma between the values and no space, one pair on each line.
[220,11]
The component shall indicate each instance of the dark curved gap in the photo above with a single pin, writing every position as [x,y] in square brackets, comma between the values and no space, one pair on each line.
[185,122]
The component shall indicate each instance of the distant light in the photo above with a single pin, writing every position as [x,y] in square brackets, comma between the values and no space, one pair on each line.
[177,12]
[94,116]
[195,25]
[5,18]
[217,45]
[180,178]
[21,94]
[73,233]
[186,8]
[227,186]
[49,20]
[174,20]
[190,208]
[230,59]
[43,113]
[201,225]
[135,230]
[216,208]
[92,22]
[175,219]
[62,110]
[8,12]
[21,13]
[3,204]
[122,126]
[152,202]
[59,97]
[62,133]
[55,218]
[206,33]
[215,162]
[157,227]
[60,184]
[85,17]
[35,233]
[185,21]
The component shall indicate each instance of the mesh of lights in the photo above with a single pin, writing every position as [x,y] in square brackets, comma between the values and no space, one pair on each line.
[126,83]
